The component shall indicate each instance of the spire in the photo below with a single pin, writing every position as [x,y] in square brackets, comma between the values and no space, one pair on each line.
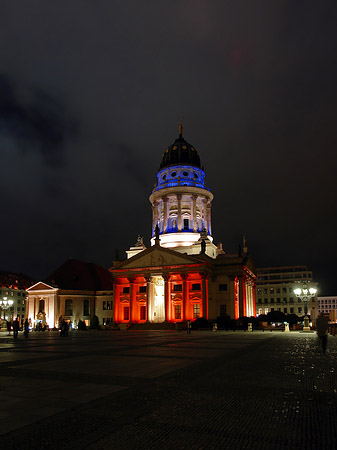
[181,127]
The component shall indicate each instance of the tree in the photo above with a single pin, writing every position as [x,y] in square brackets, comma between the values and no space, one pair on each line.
[276,316]
[94,323]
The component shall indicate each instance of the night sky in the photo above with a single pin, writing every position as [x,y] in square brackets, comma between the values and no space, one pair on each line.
[91,94]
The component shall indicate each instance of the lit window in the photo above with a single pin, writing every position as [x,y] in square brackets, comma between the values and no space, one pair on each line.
[196,310]
[142,314]
[177,311]
[126,313]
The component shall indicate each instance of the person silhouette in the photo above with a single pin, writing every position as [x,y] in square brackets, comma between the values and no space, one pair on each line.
[26,328]
[16,326]
[322,325]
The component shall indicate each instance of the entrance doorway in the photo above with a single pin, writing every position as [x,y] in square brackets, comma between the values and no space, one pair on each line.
[157,300]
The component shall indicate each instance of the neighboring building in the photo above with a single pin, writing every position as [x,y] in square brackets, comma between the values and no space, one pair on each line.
[183,275]
[75,291]
[328,306]
[275,290]
[13,287]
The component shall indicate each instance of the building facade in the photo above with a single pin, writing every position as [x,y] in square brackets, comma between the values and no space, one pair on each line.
[275,290]
[13,288]
[183,275]
[75,291]
[328,306]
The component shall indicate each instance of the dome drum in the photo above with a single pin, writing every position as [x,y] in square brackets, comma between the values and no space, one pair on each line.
[180,175]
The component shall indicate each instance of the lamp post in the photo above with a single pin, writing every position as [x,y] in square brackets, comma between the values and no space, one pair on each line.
[5,304]
[305,294]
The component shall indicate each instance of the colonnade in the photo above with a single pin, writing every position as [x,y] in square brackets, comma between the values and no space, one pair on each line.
[198,212]
[162,303]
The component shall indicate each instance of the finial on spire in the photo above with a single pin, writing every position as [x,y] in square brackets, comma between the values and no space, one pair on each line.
[181,127]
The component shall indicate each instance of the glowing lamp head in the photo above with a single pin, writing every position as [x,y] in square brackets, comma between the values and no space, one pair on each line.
[10,302]
[305,291]
[298,291]
[312,291]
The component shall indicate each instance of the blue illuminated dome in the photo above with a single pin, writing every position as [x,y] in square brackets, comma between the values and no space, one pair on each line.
[180,166]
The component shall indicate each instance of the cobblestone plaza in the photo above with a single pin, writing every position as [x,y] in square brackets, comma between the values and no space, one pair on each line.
[165,390]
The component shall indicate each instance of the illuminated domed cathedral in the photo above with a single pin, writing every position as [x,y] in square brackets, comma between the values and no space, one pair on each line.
[183,275]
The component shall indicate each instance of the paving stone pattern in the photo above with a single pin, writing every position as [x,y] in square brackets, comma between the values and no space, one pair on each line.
[168,390]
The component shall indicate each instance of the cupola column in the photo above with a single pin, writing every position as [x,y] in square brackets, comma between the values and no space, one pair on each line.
[209,226]
[194,212]
[165,213]
[179,211]
[154,215]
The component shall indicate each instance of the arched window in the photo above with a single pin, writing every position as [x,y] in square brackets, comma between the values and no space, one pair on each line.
[86,307]
[41,306]
[68,307]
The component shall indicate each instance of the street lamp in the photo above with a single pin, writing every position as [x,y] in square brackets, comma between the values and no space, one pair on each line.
[5,304]
[305,294]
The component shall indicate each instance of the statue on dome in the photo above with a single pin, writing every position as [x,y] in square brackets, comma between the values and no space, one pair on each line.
[156,232]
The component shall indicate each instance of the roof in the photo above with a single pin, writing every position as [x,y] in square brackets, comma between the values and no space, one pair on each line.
[14,280]
[180,152]
[79,275]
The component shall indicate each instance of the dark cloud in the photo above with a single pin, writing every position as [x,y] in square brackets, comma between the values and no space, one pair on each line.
[35,120]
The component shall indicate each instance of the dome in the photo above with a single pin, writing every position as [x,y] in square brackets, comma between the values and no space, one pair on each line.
[180,152]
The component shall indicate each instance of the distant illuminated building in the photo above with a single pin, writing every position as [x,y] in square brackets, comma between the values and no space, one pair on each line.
[75,292]
[275,290]
[328,306]
[13,287]
[183,275]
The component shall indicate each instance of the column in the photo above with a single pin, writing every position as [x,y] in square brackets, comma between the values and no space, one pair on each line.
[244,297]
[148,297]
[209,228]
[179,211]
[236,298]
[204,277]
[131,299]
[167,298]
[204,214]
[165,214]
[184,309]
[154,215]
[194,212]
[254,298]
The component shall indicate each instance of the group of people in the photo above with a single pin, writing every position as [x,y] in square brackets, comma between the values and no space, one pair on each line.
[16,327]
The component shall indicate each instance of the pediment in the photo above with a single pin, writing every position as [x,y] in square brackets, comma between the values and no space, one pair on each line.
[157,257]
[41,286]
